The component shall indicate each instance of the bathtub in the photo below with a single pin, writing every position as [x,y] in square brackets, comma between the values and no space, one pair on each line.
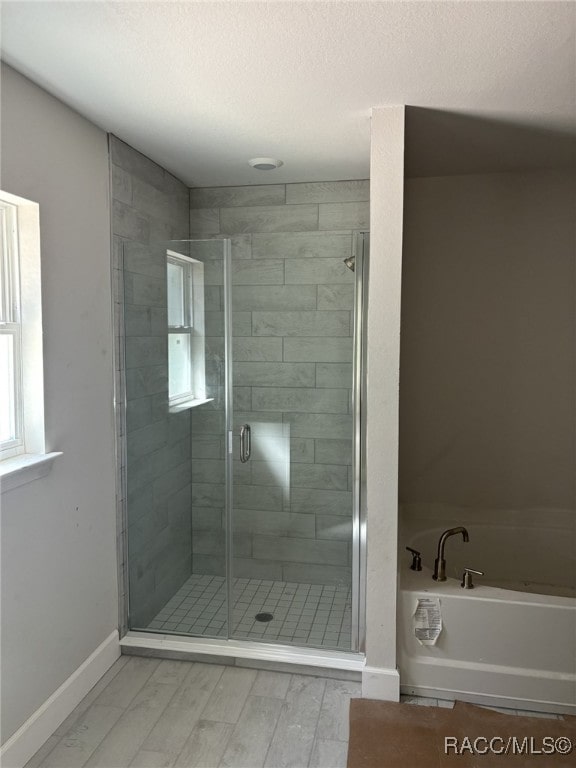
[510,641]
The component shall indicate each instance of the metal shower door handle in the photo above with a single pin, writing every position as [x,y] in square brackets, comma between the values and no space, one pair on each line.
[245,443]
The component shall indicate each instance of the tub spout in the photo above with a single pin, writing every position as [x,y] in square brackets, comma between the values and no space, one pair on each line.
[440,562]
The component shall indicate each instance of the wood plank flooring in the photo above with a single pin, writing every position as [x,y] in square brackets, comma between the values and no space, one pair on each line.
[150,713]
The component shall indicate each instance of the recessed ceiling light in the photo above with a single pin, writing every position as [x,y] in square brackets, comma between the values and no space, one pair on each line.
[265,163]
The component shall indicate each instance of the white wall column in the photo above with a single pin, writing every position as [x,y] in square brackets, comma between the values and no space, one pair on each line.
[380,679]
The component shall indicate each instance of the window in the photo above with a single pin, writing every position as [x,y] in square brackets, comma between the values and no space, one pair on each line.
[22,448]
[186,347]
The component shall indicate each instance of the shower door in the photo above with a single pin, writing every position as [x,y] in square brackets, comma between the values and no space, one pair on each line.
[242,441]
[296,462]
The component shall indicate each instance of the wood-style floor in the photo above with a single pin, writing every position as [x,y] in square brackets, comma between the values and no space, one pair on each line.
[147,713]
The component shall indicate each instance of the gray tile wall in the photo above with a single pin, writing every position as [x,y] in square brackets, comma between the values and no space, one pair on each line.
[292,348]
[148,205]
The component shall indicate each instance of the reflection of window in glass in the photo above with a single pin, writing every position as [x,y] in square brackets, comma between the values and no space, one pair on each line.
[11,405]
[186,348]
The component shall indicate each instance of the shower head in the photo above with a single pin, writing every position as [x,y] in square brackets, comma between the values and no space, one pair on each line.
[350,262]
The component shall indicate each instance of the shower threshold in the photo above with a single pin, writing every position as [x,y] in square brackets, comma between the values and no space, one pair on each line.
[341,665]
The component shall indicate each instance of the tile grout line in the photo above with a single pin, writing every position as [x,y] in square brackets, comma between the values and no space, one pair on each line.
[105,736]
[240,717]
[186,740]
[278,721]
[315,739]
[317,721]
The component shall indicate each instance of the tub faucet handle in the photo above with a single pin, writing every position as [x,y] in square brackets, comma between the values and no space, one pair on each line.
[416,559]
[466,582]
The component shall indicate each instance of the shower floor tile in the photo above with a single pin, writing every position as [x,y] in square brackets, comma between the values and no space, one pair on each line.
[303,614]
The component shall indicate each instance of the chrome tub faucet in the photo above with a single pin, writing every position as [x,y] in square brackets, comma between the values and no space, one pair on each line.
[440,562]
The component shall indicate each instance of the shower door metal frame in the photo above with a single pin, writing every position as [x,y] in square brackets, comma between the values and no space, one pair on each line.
[360,252]
[229,433]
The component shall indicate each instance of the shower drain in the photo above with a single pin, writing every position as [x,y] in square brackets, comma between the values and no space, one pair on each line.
[264,617]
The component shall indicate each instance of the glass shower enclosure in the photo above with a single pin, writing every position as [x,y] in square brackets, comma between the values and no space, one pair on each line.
[243,445]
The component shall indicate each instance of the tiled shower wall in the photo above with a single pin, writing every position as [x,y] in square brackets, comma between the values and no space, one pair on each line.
[292,350]
[148,205]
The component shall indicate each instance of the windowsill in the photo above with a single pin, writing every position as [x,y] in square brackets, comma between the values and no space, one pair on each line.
[188,404]
[25,468]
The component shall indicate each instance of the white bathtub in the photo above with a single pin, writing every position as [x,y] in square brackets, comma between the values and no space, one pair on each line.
[511,641]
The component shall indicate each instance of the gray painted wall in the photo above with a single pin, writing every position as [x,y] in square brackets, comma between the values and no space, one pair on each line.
[149,205]
[488,366]
[59,591]
[292,351]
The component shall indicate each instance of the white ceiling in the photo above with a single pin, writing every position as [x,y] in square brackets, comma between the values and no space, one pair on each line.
[201,87]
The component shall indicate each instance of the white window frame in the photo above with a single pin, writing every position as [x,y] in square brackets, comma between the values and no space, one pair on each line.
[193,310]
[24,458]
[10,323]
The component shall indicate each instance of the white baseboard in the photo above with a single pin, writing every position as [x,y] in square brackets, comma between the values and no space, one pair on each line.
[380,683]
[28,739]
